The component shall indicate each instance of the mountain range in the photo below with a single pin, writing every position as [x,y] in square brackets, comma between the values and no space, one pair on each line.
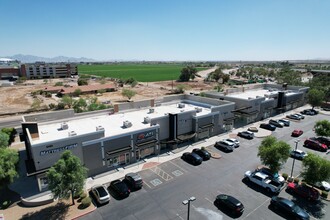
[31,59]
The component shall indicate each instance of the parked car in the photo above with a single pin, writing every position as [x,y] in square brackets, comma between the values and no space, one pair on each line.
[294,117]
[309,112]
[253,129]
[304,191]
[230,203]
[204,154]
[192,158]
[309,143]
[234,141]
[268,126]
[300,115]
[285,122]
[100,193]
[276,123]
[289,208]
[264,181]
[323,185]
[225,146]
[323,140]
[246,134]
[272,175]
[120,188]
[298,154]
[134,180]
[297,133]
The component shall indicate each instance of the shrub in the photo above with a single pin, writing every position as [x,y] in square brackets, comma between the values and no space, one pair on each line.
[86,202]
[82,82]
[324,194]
[59,84]
[285,176]
[296,180]
[203,148]
[82,195]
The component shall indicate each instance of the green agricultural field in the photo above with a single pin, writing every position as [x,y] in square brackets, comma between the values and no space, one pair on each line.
[140,72]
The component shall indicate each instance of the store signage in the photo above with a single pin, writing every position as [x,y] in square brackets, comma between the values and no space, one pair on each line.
[57,150]
[145,135]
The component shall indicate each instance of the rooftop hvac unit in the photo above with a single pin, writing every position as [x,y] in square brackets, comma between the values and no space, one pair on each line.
[151,110]
[147,120]
[127,124]
[72,133]
[181,105]
[99,128]
[198,109]
[64,126]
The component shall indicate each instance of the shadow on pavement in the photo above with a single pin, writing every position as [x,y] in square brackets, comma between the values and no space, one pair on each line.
[8,198]
[313,208]
[59,211]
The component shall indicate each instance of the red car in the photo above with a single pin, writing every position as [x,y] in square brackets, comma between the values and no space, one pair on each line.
[303,191]
[313,144]
[297,133]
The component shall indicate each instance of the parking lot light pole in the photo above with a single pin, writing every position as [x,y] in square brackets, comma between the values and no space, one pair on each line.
[185,202]
[294,159]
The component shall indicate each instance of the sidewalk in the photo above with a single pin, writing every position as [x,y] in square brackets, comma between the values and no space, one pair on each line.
[72,212]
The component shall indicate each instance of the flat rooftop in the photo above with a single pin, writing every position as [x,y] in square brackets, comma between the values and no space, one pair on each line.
[112,124]
[258,92]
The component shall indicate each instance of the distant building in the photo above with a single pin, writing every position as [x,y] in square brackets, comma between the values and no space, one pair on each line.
[41,70]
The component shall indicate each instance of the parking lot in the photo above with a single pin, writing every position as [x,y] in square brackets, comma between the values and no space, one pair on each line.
[168,184]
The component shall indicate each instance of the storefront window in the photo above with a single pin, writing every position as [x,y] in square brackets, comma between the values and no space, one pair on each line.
[116,160]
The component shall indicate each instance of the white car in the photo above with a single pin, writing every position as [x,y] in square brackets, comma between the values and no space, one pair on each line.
[101,194]
[234,141]
[323,185]
[298,154]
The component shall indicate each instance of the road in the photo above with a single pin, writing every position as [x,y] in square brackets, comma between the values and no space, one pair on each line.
[167,185]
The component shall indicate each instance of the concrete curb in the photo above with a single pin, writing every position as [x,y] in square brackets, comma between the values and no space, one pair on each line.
[83,214]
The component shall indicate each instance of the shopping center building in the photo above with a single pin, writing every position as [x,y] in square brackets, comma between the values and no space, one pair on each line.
[260,101]
[135,130]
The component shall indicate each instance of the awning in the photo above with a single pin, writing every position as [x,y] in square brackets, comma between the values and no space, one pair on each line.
[229,119]
[242,108]
[247,113]
[268,108]
[146,142]
[206,126]
[185,137]
[118,150]
[31,170]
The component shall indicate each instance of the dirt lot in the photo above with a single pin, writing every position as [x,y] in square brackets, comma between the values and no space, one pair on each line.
[18,98]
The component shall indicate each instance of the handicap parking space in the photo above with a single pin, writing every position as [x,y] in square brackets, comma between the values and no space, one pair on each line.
[158,175]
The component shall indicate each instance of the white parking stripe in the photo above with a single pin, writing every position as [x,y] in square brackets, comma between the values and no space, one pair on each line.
[267,200]
[178,166]
[144,182]
[208,200]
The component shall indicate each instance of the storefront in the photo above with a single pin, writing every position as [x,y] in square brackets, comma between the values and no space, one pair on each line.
[118,158]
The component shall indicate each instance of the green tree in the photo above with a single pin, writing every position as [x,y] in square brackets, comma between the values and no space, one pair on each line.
[67,101]
[82,81]
[8,166]
[67,176]
[128,93]
[273,153]
[315,97]
[187,73]
[315,169]
[4,140]
[79,105]
[11,132]
[322,128]
[289,76]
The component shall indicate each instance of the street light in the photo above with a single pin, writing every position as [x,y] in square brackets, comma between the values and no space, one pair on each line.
[185,202]
[294,159]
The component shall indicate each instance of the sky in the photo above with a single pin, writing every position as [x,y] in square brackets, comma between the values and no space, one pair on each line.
[167,30]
